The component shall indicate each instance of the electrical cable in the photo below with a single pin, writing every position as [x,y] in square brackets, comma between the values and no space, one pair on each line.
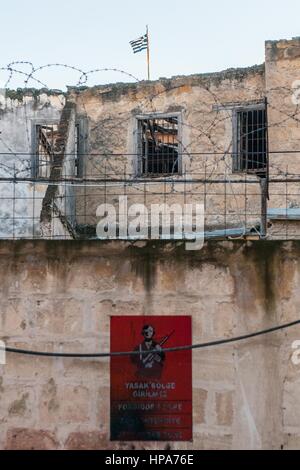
[167,350]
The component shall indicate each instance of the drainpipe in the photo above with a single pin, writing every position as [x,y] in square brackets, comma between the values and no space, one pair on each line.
[264,206]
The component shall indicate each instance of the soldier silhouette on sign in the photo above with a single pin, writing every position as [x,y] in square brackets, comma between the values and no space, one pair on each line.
[149,365]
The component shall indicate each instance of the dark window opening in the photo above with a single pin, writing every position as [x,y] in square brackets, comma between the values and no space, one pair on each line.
[46,139]
[158,146]
[251,140]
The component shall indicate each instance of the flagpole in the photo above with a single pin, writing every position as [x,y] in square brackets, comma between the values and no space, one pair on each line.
[148,53]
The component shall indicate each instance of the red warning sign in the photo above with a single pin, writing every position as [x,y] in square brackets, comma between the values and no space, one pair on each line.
[151,392]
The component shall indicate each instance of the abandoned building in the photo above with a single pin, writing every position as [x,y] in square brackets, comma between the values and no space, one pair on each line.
[228,140]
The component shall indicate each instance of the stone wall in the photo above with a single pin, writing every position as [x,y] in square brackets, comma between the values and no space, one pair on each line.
[59,296]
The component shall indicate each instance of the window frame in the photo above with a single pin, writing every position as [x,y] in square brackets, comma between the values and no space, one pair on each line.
[236,160]
[137,166]
[81,123]
[34,136]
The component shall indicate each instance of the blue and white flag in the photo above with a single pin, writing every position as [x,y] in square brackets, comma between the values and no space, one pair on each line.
[139,44]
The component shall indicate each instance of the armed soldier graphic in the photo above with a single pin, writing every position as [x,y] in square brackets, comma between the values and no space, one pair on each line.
[150,365]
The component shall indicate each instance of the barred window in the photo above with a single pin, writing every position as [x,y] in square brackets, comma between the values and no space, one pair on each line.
[251,140]
[158,145]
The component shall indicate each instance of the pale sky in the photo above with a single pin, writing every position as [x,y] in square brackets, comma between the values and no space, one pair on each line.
[188,36]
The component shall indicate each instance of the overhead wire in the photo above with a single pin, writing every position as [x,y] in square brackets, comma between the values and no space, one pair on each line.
[209,344]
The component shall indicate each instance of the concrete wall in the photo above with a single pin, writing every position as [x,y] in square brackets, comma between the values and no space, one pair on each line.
[60,296]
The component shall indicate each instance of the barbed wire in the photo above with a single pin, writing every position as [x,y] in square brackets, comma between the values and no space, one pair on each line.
[146,100]
[216,117]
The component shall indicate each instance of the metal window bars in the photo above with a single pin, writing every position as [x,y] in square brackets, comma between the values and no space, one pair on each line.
[158,146]
[252,140]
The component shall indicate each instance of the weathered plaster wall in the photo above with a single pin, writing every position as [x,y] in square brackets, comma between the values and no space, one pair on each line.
[282,74]
[205,137]
[109,112]
[21,204]
[58,209]
[60,296]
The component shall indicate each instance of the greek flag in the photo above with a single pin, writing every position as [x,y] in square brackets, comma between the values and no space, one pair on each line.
[139,44]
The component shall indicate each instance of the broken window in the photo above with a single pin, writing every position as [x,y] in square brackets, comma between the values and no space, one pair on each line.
[158,145]
[46,136]
[251,140]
